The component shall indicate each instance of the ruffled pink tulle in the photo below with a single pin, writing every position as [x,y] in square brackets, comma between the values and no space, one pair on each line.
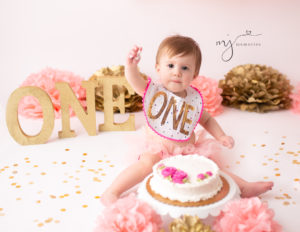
[127,215]
[296,100]
[246,215]
[150,144]
[211,94]
[29,106]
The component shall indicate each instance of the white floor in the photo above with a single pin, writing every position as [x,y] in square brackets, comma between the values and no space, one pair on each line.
[56,186]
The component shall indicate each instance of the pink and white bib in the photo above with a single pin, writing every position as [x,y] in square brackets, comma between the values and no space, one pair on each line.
[169,115]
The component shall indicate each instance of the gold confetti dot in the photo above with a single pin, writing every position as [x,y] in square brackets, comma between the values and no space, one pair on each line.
[15,172]
[82,166]
[266,177]
[54,162]
[227,166]
[52,196]
[286,203]
[15,165]
[11,177]
[237,162]
[13,184]
[67,149]
[242,156]
[26,158]
[83,161]
[263,145]
[61,196]
[48,220]
[63,210]
[96,179]
[78,192]
[100,169]
[43,173]
[281,148]
[85,154]
[287,196]
[254,145]
[276,161]
[296,179]
[100,161]
[63,162]
[35,166]
[1,209]
[28,161]
[57,221]
[77,171]
[66,195]
[18,186]
[40,224]
[97,197]
[276,154]
[65,181]
[111,165]
[38,202]
[28,174]
[103,174]
[264,164]
[270,159]
[277,174]
[85,206]
[276,169]
[19,198]
[77,186]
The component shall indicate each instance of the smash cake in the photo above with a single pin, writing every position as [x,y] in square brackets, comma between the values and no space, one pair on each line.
[189,180]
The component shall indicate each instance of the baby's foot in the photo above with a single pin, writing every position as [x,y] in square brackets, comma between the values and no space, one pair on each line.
[108,198]
[253,189]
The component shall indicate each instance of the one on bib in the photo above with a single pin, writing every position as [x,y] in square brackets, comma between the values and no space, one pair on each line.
[169,115]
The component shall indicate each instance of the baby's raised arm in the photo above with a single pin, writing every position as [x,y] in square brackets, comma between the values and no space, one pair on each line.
[132,73]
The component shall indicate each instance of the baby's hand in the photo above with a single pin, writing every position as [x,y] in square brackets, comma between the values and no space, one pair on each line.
[226,141]
[134,55]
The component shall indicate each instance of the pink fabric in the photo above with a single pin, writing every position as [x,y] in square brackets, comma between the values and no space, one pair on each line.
[203,146]
[296,100]
[129,214]
[211,94]
[29,106]
[246,215]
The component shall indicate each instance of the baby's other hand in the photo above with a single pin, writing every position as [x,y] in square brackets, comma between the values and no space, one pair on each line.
[226,141]
[134,55]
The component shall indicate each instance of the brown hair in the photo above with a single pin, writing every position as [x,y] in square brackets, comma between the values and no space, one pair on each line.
[176,45]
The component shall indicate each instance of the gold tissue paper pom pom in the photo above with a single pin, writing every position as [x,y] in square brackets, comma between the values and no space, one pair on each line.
[133,102]
[188,223]
[256,88]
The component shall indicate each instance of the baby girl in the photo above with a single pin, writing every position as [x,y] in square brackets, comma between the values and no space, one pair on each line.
[172,110]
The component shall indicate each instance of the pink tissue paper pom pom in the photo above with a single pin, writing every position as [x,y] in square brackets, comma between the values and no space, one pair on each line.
[296,100]
[246,215]
[211,94]
[29,106]
[129,214]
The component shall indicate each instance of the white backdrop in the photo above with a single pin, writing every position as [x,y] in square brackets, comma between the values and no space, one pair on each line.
[85,35]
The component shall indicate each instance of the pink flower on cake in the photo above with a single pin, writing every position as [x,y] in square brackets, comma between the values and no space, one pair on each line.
[246,215]
[179,177]
[127,215]
[201,176]
[296,100]
[211,94]
[30,107]
[168,171]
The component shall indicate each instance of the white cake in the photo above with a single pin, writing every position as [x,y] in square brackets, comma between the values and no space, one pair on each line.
[189,178]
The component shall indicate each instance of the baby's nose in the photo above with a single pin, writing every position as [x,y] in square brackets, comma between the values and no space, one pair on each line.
[177,72]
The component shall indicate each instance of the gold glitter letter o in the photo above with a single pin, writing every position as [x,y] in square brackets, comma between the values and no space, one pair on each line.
[156,95]
[12,120]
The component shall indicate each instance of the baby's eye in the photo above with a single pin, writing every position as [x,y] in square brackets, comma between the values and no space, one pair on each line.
[185,68]
[171,65]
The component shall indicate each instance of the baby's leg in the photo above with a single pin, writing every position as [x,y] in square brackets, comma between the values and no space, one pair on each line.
[129,177]
[250,189]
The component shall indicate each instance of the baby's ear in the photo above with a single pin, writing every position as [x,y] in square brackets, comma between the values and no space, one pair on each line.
[157,67]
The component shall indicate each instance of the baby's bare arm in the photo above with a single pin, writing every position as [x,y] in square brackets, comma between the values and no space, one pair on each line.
[132,72]
[212,126]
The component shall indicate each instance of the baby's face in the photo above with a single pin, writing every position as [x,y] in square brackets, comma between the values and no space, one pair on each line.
[176,72]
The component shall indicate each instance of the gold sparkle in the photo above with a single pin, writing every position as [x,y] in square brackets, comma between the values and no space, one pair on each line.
[38,202]
[78,192]
[266,177]
[96,179]
[11,177]
[1,209]
[53,197]
[84,154]
[57,221]
[35,166]
[281,148]
[83,161]
[43,173]
[282,143]
[111,165]
[103,174]
[18,186]
[242,156]
[84,206]
[48,220]
[18,198]
[237,162]
[286,203]
[276,153]
[15,165]
[296,179]
[270,159]
[65,181]
[63,210]
[67,149]
[277,174]
[276,169]
[15,172]
[287,196]
[40,224]
[100,161]
[97,197]
[54,162]
[28,161]
[63,162]
[26,158]
[264,164]
[77,186]
[263,145]
[2,214]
